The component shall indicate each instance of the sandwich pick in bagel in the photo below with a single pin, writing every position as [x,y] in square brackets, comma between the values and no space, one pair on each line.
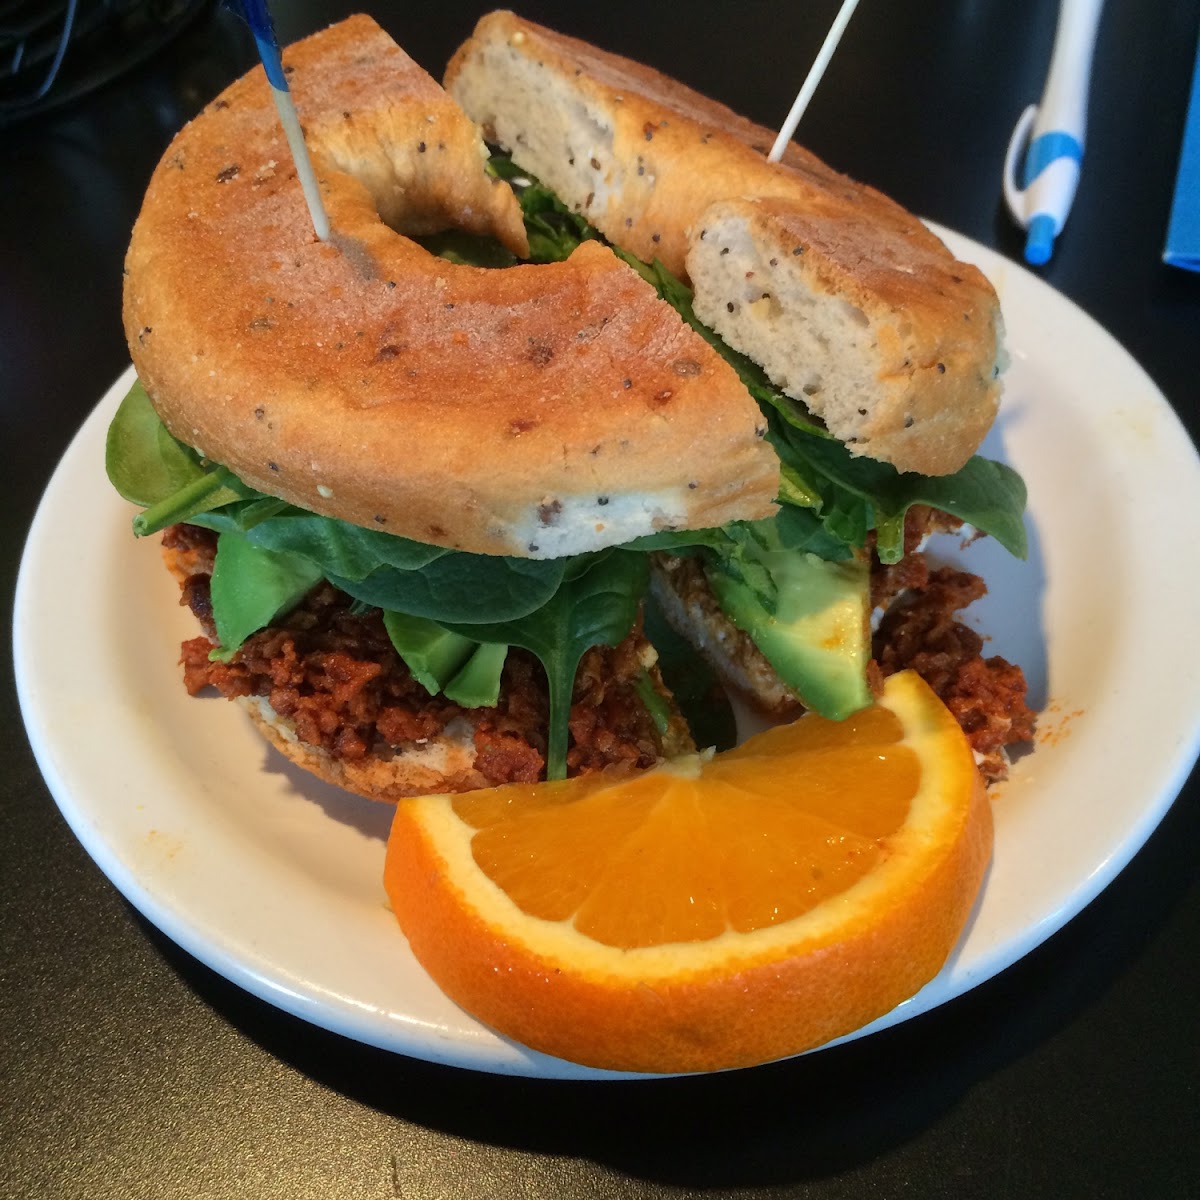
[414,479]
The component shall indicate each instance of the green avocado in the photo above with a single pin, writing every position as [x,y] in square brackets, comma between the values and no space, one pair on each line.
[818,635]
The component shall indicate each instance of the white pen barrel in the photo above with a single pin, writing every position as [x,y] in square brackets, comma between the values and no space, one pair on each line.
[1064,101]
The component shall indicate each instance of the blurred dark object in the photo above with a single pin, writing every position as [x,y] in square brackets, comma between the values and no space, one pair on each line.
[54,51]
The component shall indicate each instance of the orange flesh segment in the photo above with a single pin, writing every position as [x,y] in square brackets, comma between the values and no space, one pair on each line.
[697,868]
[706,915]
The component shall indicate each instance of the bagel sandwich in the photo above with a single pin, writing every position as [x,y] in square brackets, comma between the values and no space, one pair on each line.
[412,479]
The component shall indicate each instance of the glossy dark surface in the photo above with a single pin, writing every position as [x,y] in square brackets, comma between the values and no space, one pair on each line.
[130,1071]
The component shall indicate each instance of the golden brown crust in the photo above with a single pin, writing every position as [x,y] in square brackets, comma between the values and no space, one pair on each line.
[531,411]
[647,159]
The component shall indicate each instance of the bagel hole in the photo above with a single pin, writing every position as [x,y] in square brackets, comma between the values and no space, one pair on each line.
[465,249]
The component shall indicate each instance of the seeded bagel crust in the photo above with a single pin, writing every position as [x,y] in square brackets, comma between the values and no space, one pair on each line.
[848,301]
[534,411]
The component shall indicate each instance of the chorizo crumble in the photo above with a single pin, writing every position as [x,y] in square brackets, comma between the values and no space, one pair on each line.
[333,672]
[986,695]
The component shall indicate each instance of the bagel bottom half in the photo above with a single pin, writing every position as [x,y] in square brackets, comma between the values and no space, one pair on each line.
[445,763]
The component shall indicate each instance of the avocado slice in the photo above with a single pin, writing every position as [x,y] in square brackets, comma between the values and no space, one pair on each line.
[818,637]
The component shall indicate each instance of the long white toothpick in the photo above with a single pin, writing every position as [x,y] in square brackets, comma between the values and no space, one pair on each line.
[258,17]
[814,77]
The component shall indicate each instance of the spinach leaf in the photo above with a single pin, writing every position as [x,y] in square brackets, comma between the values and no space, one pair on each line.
[694,684]
[795,490]
[251,587]
[477,683]
[746,560]
[461,588]
[215,489]
[341,548]
[655,704]
[467,249]
[594,609]
[144,462]
[986,494]
[802,529]
[440,661]
[156,471]
[239,516]
[554,231]
[675,541]
[434,655]
[860,493]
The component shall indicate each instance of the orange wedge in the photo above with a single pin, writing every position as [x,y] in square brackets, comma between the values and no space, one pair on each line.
[713,912]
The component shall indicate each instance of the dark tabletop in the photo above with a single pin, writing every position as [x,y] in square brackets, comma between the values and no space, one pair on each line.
[130,1070]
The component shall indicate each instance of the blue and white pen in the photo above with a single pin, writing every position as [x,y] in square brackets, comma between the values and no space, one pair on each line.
[258,17]
[1046,149]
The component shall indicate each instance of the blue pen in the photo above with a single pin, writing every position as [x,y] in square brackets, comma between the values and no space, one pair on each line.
[258,17]
[1046,148]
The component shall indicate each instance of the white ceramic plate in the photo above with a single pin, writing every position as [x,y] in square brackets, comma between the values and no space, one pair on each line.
[275,880]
